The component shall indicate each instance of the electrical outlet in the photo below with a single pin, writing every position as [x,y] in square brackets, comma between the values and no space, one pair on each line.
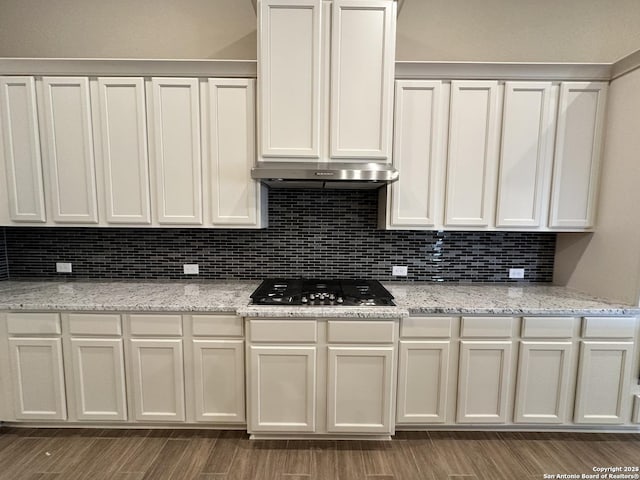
[63,267]
[191,269]
[399,271]
[516,273]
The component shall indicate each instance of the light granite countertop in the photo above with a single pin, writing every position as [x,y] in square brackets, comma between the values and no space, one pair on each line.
[233,296]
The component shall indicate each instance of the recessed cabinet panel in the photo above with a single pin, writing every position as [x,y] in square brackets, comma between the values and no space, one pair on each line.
[362,69]
[69,149]
[177,159]
[157,379]
[577,154]
[38,378]
[219,380]
[414,199]
[289,53]
[98,379]
[603,382]
[544,376]
[21,140]
[231,141]
[123,134]
[274,371]
[483,382]
[473,154]
[423,375]
[526,154]
[359,389]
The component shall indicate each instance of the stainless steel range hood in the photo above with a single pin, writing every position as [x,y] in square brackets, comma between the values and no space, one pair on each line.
[324,175]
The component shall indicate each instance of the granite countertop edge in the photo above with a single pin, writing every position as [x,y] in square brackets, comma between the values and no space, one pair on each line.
[412,299]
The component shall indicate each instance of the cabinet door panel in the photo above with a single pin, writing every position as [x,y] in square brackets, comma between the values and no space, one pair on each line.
[473,154]
[415,197]
[158,380]
[483,383]
[219,380]
[526,155]
[98,379]
[234,194]
[177,159]
[359,390]
[289,52]
[602,395]
[423,375]
[123,133]
[577,154]
[22,149]
[362,70]
[38,378]
[283,389]
[69,149]
[544,376]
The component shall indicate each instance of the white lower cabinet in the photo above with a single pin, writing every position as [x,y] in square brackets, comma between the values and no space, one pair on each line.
[423,376]
[98,378]
[545,373]
[157,379]
[321,376]
[283,389]
[359,389]
[484,381]
[218,368]
[38,378]
[602,395]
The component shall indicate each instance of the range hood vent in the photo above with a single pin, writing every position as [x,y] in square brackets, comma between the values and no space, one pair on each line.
[324,175]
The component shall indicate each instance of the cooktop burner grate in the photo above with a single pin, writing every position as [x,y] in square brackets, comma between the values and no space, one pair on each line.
[313,292]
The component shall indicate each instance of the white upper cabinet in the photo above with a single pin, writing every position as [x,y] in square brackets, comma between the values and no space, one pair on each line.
[305,45]
[235,196]
[176,157]
[289,60]
[362,70]
[415,198]
[526,154]
[577,154]
[21,140]
[473,154]
[69,156]
[123,138]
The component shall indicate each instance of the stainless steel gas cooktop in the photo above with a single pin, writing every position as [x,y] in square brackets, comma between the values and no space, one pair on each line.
[311,292]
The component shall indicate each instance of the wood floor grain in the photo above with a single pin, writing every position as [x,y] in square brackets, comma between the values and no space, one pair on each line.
[78,454]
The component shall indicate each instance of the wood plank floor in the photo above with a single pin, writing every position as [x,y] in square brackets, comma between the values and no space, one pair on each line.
[74,454]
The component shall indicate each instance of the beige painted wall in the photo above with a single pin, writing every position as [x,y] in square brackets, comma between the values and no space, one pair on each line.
[607,262]
[463,30]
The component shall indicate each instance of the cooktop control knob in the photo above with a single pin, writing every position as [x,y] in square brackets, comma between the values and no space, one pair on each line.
[304,300]
[339,300]
[312,296]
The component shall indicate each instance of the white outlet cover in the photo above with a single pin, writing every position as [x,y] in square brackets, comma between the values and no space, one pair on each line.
[191,269]
[516,273]
[63,267]
[399,270]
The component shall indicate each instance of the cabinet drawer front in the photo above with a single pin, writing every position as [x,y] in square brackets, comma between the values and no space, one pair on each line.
[295,331]
[547,327]
[636,409]
[216,325]
[360,332]
[94,324]
[33,323]
[500,327]
[609,327]
[156,325]
[427,327]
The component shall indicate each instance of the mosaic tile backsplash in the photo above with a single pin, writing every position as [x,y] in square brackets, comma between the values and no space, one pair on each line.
[4,268]
[312,233]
